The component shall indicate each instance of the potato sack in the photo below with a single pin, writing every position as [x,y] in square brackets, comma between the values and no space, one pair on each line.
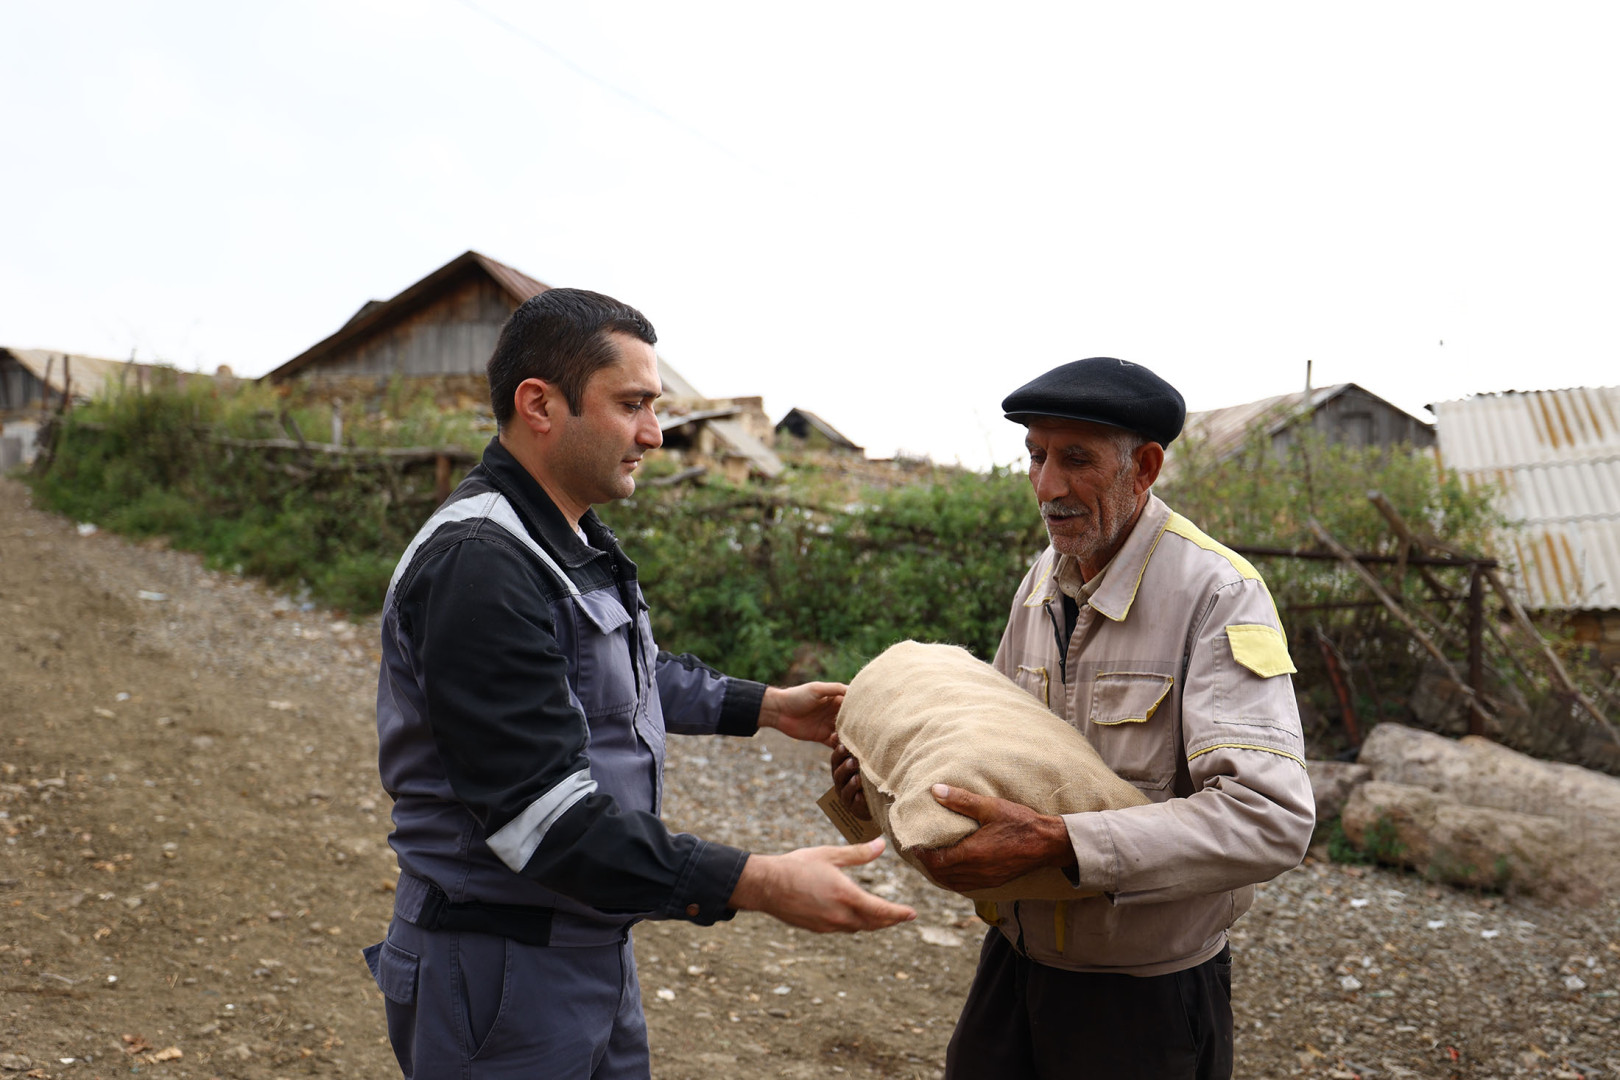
[922,714]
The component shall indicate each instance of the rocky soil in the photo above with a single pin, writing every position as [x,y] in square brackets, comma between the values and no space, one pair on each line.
[193,851]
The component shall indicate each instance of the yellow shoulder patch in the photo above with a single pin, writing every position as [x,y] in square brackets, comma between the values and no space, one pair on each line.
[1188,531]
[1261,649]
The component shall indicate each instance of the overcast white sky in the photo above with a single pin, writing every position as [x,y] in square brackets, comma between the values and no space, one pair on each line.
[891,214]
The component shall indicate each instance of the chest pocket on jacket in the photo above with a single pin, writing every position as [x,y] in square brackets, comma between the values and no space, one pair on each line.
[1128,729]
[1037,681]
[650,717]
[605,679]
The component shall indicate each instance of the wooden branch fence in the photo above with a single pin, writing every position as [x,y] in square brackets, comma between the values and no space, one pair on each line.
[312,457]
[1418,553]
[1421,553]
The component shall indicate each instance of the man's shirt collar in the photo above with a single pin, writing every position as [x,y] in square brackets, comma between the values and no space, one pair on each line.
[1116,584]
[540,515]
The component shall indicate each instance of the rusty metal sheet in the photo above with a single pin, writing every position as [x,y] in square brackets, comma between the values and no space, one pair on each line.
[1555,454]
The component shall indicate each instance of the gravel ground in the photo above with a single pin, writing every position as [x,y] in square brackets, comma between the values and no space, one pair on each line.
[190,809]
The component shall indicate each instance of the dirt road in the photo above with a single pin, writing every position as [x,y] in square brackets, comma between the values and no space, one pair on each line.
[194,852]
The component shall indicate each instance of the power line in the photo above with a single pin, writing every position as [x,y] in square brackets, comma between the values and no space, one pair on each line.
[646,106]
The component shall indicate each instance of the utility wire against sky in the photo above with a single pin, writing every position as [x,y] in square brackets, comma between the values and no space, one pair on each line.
[646,106]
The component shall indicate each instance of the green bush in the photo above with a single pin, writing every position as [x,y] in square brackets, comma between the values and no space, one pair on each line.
[775,585]
[796,580]
[802,578]
[152,464]
[1266,498]
[1340,848]
[1262,498]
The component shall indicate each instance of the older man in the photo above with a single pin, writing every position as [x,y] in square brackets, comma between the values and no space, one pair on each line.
[521,711]
[1165,649]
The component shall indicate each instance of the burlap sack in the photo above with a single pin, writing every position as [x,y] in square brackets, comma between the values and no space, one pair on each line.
[920,715]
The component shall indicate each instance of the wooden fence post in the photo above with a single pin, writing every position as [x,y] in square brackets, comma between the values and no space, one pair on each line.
[1347,707]
[1394,608]
[1560,676]
[441,477]
[1476,646]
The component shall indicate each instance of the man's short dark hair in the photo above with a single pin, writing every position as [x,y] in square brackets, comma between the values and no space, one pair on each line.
[560,337]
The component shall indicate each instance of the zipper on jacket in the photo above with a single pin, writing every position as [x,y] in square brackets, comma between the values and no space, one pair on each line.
[625,582]
[1062,646]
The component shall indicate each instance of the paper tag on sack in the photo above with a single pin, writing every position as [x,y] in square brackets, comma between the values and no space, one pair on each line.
[855,830]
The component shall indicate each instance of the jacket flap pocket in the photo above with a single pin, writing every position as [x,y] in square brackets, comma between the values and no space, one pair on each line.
[1127,697]
[1037,681]
[1261,649]
[394,970]
[603,609]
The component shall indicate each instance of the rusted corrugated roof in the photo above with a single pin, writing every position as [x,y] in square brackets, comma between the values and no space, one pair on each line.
[1556,456]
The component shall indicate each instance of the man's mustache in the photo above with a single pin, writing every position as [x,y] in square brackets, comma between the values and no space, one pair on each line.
[1063,509]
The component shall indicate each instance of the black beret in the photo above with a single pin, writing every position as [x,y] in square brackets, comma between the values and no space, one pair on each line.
[1104,391]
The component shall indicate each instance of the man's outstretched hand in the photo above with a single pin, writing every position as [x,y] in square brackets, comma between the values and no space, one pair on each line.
[805,712]
[807,888]
[1012,840]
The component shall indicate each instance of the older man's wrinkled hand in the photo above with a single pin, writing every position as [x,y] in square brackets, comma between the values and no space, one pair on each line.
[846,774]
[1012,840]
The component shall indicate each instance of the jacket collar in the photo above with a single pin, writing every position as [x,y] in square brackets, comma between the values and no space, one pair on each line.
[540,515]
[1118,590]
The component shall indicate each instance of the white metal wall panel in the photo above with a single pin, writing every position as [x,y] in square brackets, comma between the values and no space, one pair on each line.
[1556,455]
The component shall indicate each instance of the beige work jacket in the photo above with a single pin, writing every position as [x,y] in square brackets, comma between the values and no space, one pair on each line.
[1178,673]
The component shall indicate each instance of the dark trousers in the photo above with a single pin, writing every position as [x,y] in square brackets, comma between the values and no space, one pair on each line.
[1027,1020]
[465,1006]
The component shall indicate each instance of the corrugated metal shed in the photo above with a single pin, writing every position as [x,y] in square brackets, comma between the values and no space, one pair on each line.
[1556,455]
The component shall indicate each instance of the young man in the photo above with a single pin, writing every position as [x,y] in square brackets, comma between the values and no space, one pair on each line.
[522,709]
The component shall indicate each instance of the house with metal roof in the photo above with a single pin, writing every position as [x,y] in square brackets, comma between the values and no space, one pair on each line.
[1343,413]
[1555,455]
[444,328]
[445,324]
[37,382]
[34,379]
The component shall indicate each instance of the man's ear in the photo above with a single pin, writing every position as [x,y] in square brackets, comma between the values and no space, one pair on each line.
[536,404]
[1149,460]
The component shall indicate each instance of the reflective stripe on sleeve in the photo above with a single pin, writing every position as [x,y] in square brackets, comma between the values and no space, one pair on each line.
[515,842]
